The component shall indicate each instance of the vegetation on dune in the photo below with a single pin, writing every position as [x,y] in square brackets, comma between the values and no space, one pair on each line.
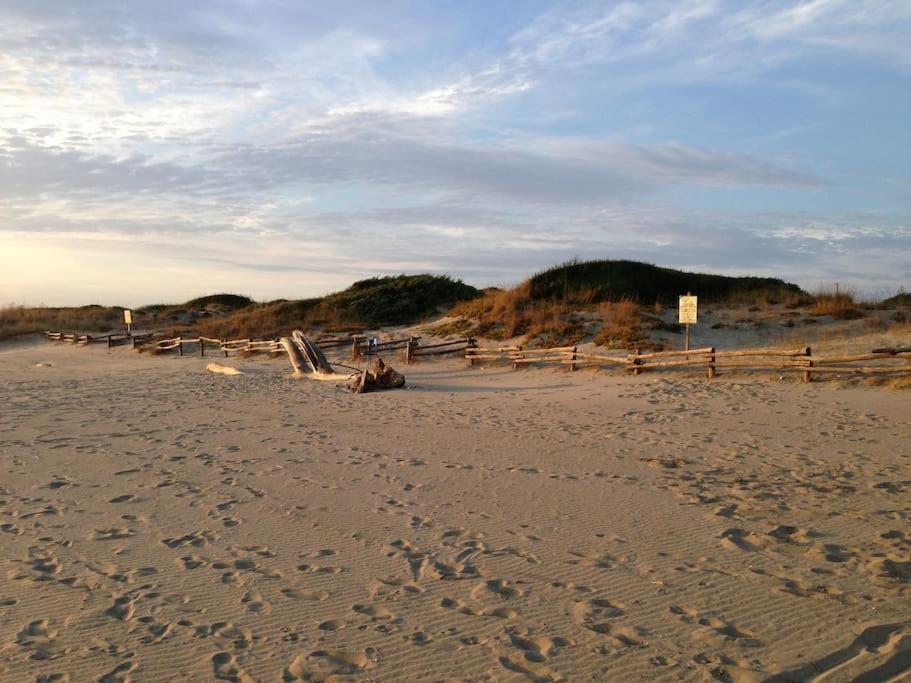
[608,280]
[219,302]
[836,302]
[16,320]
[547,306]
[259,321]
[378,301]
[608,301]
[901,299]
[396,300]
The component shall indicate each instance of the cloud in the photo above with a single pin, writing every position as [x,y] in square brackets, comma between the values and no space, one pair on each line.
[244,135]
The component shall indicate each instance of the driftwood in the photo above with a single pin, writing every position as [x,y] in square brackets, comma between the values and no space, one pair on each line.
[314,355]
[298,363]
[380,376]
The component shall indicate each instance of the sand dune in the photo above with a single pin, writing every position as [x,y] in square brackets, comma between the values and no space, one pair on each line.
[158,522]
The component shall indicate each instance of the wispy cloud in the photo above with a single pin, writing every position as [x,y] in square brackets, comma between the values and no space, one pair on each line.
[255,130]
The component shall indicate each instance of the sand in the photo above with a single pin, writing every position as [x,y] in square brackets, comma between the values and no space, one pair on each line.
[162,523]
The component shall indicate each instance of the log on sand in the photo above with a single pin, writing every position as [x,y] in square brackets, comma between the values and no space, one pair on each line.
[220,369]
[299,363]
[316,359]
[380,376]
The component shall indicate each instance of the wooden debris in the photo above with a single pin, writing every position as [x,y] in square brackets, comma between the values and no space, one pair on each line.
[380,376]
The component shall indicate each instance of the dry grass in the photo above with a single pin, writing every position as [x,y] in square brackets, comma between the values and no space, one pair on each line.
[266,321]
[900,383]
[505,314]
[459,326]
[622,326]
[836,302]
[18,320]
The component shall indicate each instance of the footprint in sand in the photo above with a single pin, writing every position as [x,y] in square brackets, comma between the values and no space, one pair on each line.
[254,602]
[192,562]
[226,668]
[500,587]
[538,649]
[341,662]
[376,613]
[112,534]
[295,594]
[461,607]
[714,627]
[591,614]
[122,609]
[120,673]
[741,539]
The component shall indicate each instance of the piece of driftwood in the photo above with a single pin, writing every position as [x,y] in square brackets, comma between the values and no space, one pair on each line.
[219,369]
[298,363]
[314,355]
[378,375]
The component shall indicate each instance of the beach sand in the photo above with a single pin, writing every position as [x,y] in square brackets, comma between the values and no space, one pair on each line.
[162,523]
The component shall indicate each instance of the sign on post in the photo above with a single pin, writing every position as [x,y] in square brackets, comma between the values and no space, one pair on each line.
[128,319]
[687,314]
[687,310]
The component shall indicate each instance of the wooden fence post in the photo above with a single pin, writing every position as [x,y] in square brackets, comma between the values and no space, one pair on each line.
[223,342]
[409,351]
[180,347]
[572,366]
[202,348]
[515,365]
[636,369]
[355,349]
[109,342]
[472,344]
[807,375]
[711,372]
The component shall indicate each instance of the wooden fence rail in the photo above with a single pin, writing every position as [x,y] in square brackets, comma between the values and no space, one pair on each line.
[802,360]
[709,358]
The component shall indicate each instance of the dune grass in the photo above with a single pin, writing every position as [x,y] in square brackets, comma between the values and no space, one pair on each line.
[836,302]
[17,320]
[371,303]
[614,280]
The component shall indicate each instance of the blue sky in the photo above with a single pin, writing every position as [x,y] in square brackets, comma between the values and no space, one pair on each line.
[156,151]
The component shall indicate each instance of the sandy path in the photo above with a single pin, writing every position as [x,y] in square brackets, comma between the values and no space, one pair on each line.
[160,523]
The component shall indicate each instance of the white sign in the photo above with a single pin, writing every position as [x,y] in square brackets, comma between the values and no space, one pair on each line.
[687,310]
[127,316]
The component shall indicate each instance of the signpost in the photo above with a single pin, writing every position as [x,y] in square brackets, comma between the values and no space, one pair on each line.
[687,309]
[128,319]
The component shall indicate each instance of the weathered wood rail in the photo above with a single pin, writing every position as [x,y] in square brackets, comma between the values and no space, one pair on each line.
[710,359]
[411,346]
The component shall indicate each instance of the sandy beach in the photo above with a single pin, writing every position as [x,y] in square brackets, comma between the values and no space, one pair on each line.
[160,523]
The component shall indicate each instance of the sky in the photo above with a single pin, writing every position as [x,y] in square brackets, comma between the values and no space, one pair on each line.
[155,151]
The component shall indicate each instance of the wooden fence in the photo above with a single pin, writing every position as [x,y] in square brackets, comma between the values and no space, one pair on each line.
[877,361]
[888,361]
[410,345]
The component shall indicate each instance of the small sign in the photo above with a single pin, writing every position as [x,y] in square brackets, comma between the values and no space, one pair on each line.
[687,310]
[371,345]
[127,316]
